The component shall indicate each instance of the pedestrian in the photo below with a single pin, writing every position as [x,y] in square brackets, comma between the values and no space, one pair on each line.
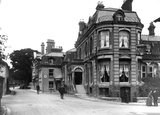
[62,90]
[38,89]
[149,99]
[155,97]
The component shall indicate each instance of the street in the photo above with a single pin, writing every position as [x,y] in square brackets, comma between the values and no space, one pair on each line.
[27,102]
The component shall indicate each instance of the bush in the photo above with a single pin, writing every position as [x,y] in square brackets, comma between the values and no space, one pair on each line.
[150,83]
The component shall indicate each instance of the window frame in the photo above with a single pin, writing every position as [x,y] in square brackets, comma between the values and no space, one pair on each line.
[104,65]
[143,72]
[51,73]
[125,34]
[124,67]
[105,38]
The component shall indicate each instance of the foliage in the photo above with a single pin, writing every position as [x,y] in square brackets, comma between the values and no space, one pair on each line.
[21,61]
[150,83]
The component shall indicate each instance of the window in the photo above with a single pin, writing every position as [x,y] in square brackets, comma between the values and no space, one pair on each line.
[51,60]
[104,39]
[104,72]
[50,84]
[119,17]
[80,53]
[143,72]
[51,72]
[104,92]
[91,45]
[124,39]
[124,73]
[150,71]
[86,49]
[138,37]
[91,74]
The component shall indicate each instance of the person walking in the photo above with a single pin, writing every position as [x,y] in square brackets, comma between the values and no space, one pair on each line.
[149,99]
[62,90]
[38,89]
[155,97]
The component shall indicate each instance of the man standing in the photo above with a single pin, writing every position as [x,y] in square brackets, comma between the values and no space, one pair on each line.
[62,90]
[155,97]
[38,88]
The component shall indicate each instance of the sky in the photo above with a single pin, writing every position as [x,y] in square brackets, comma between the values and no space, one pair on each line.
[28,23]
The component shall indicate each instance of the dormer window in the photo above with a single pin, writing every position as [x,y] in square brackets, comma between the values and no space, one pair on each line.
[118,15]
[51,60]
[148,48]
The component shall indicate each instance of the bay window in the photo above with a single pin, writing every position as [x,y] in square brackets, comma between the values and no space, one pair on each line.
[104,72]
[124,73]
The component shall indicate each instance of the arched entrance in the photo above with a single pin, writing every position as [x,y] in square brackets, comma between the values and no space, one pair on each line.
[78,76]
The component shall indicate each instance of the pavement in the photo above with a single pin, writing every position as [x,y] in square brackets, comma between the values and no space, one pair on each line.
[85,97]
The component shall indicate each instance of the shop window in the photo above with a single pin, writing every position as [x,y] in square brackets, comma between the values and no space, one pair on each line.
[104,39]
[104,92]
[51,72]
[124,73]
[104,72]
[124,39]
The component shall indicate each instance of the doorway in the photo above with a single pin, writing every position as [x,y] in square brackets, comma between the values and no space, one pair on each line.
[78,78]
[125,94]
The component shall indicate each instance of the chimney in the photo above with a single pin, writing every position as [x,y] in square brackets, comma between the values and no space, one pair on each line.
[100,6]
[50,45]
[42,48]
[151,29]
[82,25]
[127,5]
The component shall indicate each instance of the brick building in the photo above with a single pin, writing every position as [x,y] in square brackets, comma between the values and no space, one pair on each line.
[110,55]
[47,67]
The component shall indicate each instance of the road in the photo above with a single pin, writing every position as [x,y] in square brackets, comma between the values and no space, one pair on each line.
[27,102]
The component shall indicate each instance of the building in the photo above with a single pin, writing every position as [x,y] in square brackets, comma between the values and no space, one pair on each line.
[47,67]
[4,74]
[110,55]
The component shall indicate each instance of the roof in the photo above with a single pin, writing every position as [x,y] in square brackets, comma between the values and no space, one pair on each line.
[72,50]
[150,38]
[106,14]
[55,54]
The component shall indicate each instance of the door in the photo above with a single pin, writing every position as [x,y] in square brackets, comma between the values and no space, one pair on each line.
[125,94]
[78,78]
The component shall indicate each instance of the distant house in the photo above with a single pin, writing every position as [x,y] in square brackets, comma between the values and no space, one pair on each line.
[47,67]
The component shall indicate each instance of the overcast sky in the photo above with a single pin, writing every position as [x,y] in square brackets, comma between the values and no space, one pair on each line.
[28,23]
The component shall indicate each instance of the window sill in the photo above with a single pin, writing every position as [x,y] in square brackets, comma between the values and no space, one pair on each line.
[124,83]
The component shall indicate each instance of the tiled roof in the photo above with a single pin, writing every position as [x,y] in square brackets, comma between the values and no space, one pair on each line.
[151,57]
[107,15]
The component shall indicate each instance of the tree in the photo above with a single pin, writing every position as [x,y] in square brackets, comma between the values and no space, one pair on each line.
[150,83]
[21,61]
